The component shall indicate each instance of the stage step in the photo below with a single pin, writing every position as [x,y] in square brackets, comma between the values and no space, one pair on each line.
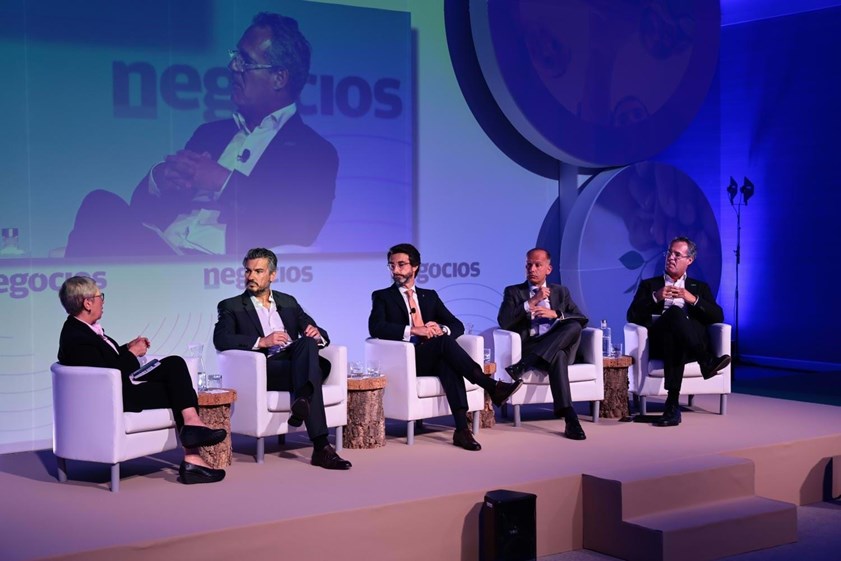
[695,508]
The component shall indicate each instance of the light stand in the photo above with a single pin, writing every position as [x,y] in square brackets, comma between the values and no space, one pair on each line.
[744,194]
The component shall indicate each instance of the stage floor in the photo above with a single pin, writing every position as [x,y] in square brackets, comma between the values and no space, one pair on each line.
[424,498]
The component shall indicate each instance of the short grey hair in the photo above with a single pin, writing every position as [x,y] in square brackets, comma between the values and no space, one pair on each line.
[262,253]
[73,293]
[691,248]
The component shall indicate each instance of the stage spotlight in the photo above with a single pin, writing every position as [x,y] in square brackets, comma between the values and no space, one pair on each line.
[732,190]
[747,190]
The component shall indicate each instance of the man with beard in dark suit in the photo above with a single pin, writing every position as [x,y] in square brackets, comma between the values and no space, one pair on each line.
[404,312]
[549,324]
[684,307]
[273,323]
[263,176]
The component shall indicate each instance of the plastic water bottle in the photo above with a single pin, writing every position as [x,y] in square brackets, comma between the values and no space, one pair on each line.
[606,346]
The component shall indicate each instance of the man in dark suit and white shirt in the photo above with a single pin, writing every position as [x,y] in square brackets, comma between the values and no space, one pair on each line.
[404,312]
[273,323]
[683,308]
[536,310]
[218,194]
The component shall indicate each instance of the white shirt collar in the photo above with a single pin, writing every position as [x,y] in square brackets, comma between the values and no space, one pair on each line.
[272,121]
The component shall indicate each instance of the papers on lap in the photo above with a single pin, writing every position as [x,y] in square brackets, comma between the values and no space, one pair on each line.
[136,377]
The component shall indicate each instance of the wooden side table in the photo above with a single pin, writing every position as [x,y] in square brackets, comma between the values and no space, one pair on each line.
[365,416]
[615,403]
[215,412]
[486,416]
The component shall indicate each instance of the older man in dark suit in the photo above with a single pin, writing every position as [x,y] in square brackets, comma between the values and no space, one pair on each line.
[677,309]
[225,191]
[273,323]
[404,312]
[550,324]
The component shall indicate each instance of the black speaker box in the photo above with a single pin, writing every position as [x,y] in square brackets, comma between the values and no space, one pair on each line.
[507,526]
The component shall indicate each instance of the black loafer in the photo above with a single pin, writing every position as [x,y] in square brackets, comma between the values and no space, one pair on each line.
[671,417]
[516,370]
[300,411]
[329,459]
[714,365]
[503,390]
[193,436]
[464,439]
[190,474]
[573,431]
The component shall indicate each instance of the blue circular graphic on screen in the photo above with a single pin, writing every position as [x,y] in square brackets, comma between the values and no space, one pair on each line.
[598,83]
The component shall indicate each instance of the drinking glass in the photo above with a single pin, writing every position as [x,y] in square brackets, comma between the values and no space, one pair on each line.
[372,368]
[357,369]
[214,381]
[616,350]
[196,350]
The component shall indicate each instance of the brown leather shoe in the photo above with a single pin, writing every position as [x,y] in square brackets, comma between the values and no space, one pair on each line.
[464,439]
[329,459]
[503,390]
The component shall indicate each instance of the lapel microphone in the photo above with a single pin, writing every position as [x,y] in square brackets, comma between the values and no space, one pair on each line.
[244,156]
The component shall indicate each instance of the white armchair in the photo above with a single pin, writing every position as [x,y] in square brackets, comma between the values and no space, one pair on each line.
[646,376]
[260,413]
[89,423]
[409,397]
[586,377]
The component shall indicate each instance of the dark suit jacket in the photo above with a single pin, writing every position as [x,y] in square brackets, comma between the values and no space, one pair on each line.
[705,312]
[78,345]
[390,316]
[238,325]
[286,199]
[512,315]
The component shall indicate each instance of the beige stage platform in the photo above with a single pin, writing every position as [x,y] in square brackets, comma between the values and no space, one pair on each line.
[398,502]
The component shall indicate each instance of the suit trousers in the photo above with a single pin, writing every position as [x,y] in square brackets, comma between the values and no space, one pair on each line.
[676,339]
[105,217]
[299,369]
[443,357]
[167,386]
[557,348]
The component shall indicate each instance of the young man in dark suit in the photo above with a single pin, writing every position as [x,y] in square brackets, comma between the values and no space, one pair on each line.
[404,312]
[273,323]
[683,308]
[533,309]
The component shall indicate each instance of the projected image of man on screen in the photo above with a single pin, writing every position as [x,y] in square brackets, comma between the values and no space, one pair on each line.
[263,177]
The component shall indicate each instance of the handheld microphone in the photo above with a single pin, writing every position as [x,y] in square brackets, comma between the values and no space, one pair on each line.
[244,156]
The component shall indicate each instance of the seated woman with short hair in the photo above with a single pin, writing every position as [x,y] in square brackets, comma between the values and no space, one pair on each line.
[83,343]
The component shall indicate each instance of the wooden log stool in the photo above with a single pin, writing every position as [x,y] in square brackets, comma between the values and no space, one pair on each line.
[365,416]
[215,412]
[486,415]
[615,403]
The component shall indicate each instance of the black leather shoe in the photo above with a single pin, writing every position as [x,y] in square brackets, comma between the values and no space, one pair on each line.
[503,390]
[300,411]
[192,473]
[516,370]
[193,436]
[463,438]
[573,430]
[670,418]
[329,459]
[714,365]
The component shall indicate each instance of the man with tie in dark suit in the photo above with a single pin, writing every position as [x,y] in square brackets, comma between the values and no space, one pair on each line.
[549,324]
[683,308]
[273,323]
[403,312]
